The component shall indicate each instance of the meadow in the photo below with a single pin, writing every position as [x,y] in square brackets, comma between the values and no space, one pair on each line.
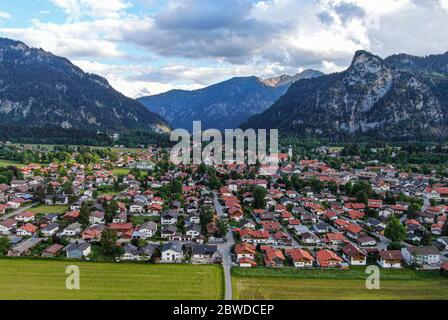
[291,284]
[45,279]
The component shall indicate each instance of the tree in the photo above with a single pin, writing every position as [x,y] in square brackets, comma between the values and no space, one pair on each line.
[259,198]
[223,226]
[181,224]
[362,197]
[5,246]
[108,242]
[395,231]
[84,214]
[40,194]
[111,211]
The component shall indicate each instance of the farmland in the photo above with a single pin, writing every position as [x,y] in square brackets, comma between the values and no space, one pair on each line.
[336,285]
[39,279]
[42,209]
[7,163]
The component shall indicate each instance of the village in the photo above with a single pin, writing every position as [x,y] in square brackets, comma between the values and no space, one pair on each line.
[134,206]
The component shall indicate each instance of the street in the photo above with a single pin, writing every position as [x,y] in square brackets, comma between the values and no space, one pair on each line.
[225,249]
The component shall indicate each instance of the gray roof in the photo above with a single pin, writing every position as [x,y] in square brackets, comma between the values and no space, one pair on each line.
[175,246]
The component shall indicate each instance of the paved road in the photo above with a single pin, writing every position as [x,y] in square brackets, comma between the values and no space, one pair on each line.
[225,250]
[13,213]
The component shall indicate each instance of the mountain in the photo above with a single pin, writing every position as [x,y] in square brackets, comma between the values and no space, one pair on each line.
[224,105]
[401,97]
[39,89]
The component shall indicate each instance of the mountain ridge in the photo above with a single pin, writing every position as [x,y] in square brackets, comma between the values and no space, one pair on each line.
[399,97]
[222,105]
[38,88]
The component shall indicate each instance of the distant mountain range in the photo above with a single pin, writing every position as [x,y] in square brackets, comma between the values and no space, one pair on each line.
[224,105]
[401,97]
[39,89]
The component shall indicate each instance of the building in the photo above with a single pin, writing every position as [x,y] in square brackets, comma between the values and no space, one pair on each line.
[427,255]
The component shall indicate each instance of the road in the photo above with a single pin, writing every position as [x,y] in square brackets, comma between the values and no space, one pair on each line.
[225,249]
[13,213]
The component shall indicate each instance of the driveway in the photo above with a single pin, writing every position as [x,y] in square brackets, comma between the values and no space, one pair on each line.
[225,249]
[20,210]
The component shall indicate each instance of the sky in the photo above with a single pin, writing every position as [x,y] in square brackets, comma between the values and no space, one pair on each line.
[147,47]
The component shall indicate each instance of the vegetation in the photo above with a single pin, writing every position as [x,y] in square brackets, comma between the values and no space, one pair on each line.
[395,231]
[44,279]
[318,284]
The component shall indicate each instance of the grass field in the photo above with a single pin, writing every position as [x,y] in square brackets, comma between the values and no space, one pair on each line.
[290,284]
[7,163]
[38,279]
[49,209]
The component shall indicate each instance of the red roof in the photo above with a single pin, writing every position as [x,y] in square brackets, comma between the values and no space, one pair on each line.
[325,256]
[299,255]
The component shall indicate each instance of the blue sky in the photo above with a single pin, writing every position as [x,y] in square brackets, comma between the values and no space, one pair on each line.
[151,46]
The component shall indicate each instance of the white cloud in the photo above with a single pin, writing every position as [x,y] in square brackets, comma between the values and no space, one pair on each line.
[200,42]
[4,15]
[76,9]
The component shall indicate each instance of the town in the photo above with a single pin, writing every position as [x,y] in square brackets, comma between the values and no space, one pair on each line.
[127,205]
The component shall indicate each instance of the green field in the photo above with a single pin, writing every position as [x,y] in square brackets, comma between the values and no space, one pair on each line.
[290,284]
[49,209]
[39,279]
[7,163]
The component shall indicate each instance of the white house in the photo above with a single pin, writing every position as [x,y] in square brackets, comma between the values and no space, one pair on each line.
[72,230]
[172,252]
[427,255]
[390,259]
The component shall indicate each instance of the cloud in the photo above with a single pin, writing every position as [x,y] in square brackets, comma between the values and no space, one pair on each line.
[4,15]
[76,9]
[155,45]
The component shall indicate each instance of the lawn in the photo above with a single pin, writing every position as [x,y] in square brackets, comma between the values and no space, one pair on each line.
[39,279]
[290,284]
[7,163]
[42,209]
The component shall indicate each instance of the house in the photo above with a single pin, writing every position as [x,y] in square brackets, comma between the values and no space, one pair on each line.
[93,232]
[310,238]
[25,217]
[235,213]
[78,251]
[426,255]
[27,230]
[6,226]
[193,230]
[354,255]
[273,257]
[443,242]
[72,230]
[366,241]
[203,254]
[52,251]
[133,253]
[255,236]
[24,247]
[245,250]
[148,230]
[120,218]
[97,217]
[327,258]
[169,217]
[390,259]
[172,252]
[300,258]
[137,208]
[50,229]
[321,227]
[168,231]
[247,263]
